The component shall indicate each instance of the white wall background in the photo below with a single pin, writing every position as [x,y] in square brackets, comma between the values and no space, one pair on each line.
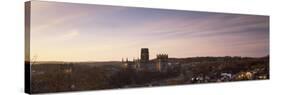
[12,47]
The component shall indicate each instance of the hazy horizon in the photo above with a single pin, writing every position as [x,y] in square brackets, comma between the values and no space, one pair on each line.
[132,59]
[87,32]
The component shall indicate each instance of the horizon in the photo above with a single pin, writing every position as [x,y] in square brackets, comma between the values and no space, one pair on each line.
[86,32]
[130,59]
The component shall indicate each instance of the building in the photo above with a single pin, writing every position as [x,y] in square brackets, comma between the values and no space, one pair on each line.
[144,56]
[131,64]
[162,62]
[144,64]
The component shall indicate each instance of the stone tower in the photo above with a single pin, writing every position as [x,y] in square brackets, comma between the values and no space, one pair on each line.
[144,56]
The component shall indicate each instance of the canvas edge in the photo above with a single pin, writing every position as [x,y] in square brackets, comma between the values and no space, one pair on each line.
[27,68]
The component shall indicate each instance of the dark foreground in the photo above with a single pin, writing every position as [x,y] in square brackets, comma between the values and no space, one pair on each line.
[62,76]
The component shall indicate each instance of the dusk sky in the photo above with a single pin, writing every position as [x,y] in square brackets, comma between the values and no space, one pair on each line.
[86,32]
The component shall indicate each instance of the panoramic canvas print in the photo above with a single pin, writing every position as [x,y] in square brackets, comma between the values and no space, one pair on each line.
[78,47]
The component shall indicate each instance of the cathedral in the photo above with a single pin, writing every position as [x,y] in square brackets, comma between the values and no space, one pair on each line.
[144,64]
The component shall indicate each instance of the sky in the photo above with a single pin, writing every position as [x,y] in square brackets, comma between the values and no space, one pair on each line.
[87,32]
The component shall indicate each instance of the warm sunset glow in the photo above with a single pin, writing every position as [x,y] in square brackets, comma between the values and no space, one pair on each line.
[82,32]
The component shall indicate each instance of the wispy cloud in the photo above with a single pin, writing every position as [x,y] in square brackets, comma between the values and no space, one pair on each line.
[71,34]
[97,32]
